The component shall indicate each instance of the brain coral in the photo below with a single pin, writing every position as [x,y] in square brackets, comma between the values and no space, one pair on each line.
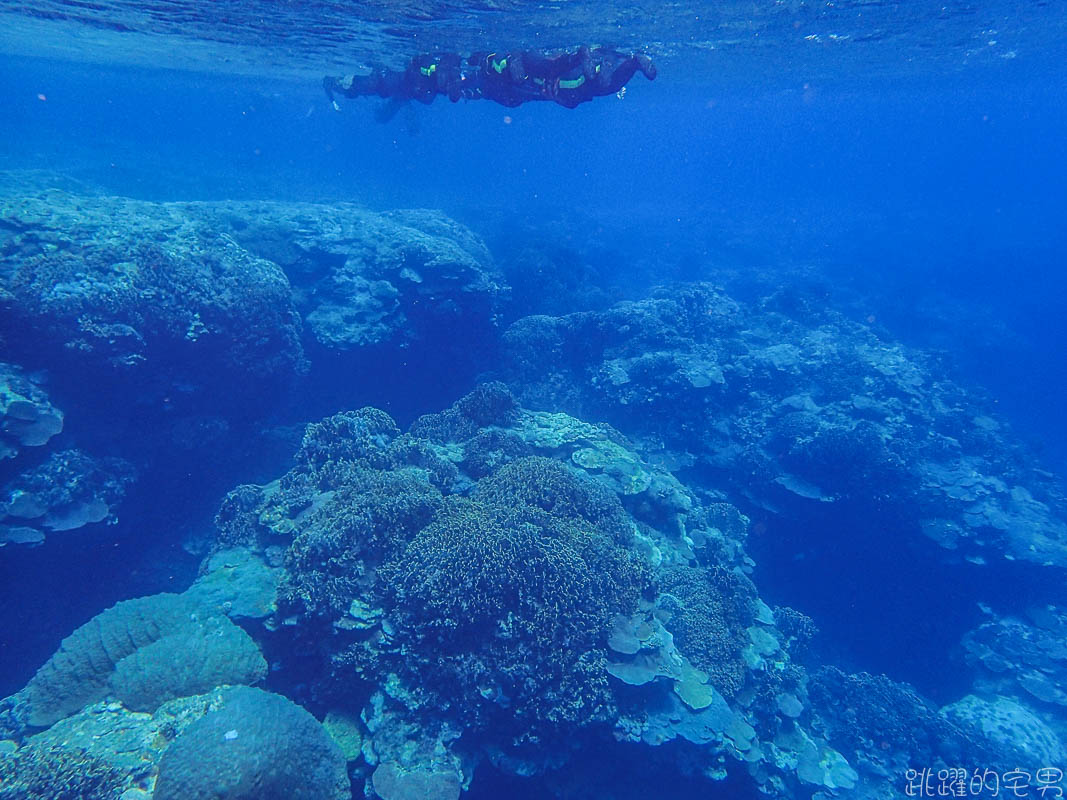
[143,652]
[190,661]
[257,746]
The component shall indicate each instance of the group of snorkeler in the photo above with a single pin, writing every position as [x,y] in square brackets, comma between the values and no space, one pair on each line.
[509,79]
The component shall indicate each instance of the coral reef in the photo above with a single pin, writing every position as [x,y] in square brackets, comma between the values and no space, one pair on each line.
[1015,732]
[791,407]
[507,601]
[710,613]
[496,582]
[558,564]
[489,405]
[118,285]
[103,752]
[491,585]
[164,325]
[231,742]
[1024,657]
[371,278]
[58,773]
[27,417]
[68,491]
[256,746]
[391,783]
[142,652]
[346,438]
[350,535]
[872,714]
[159,306]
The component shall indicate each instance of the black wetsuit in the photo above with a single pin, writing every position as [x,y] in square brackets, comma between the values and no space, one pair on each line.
[423,79]
[507,79]
[611,71]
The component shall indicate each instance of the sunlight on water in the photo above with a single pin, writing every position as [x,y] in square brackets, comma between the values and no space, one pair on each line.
[285,39]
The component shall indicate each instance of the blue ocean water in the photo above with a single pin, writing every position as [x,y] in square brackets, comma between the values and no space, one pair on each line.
[664,384]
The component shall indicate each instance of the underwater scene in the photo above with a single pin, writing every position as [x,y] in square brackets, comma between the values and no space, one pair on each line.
[533,399]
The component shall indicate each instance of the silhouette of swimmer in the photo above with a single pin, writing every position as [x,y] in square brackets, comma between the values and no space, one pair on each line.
[509,79]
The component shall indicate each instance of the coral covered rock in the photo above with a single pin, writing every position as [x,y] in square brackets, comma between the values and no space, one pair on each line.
[203,295]
[510,598]
[60,773]
[370,278]
[790,407]
[142,652]
[391,783]
[27,417]
[127,285]
[69,490]
[257,746]
[487,585]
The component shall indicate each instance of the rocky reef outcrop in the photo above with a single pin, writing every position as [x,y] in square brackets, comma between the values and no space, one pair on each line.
[562,563]
[160,325]
[27,416]
[194,294]
[494,586]
[111,285]
[787,405]
[68,490]
[517,587]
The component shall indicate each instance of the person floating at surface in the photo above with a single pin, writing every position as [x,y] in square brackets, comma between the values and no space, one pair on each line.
[509,79]
[567,79]
[424,78]
[515,78]
[610,72]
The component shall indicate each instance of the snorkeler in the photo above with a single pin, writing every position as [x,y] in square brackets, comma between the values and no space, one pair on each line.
[509,79]
[512,79]
[424,78]
[610,72]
